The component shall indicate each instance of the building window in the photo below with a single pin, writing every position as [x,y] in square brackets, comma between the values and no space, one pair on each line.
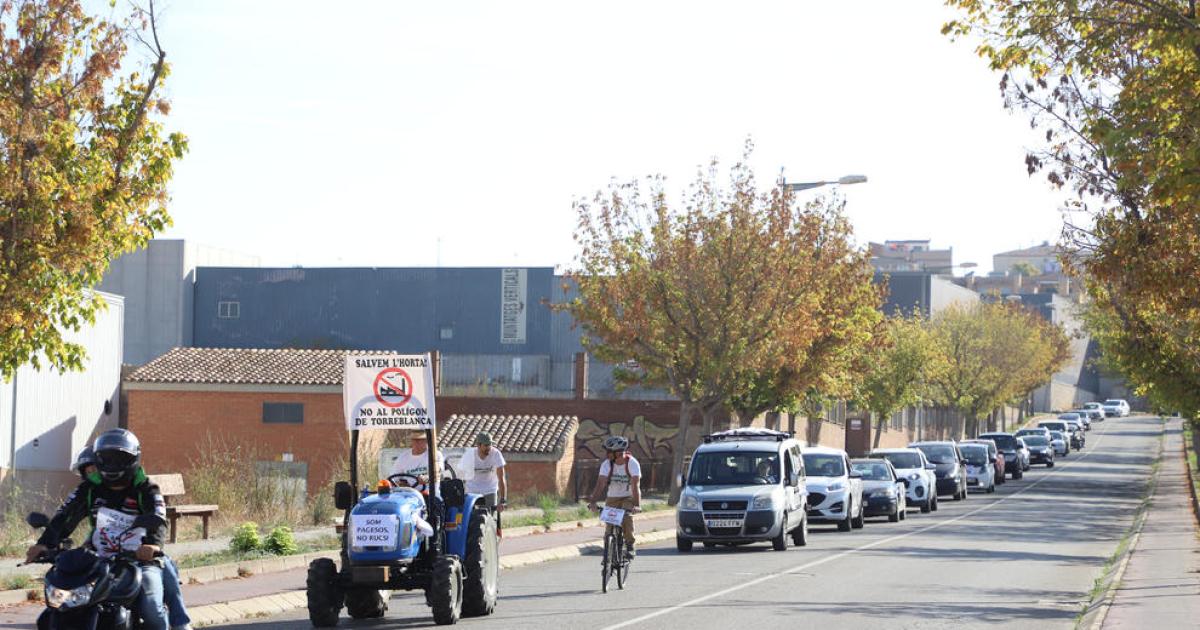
[283,413]
[229,310]
[447,332]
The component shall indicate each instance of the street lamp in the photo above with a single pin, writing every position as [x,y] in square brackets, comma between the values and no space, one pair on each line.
[845,180]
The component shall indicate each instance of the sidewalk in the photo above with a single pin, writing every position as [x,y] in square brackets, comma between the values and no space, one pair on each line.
[1161,584]
[197,595]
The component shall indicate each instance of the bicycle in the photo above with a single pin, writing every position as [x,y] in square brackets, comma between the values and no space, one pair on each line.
[614,562]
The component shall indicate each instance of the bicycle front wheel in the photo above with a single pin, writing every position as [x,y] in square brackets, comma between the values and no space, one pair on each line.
[606,562]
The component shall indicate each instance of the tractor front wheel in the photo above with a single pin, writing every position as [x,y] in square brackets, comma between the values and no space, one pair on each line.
[445,591]
[324,597]
[481,569]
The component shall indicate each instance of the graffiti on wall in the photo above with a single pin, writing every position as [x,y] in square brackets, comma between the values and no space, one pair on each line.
[647,440]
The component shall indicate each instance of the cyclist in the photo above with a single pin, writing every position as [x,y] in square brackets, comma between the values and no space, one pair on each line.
[620,474]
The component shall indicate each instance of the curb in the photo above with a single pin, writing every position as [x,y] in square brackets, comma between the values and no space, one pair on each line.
[1104,602]
[277,603]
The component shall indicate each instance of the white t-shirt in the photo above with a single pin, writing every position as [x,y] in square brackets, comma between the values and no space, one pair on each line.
[619,476]
[410,464]
[481,474]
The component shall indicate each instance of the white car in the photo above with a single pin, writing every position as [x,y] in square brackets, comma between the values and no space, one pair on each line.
[834,488]
[1059,442]
[916,472]
[981,468]
[1115,407]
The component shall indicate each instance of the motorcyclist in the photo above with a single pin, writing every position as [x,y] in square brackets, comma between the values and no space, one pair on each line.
[177,614]
[124,492]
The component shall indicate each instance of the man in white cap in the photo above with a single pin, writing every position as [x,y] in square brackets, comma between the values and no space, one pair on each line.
[416,461]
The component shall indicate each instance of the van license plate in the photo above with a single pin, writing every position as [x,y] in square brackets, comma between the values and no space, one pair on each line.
[725,522]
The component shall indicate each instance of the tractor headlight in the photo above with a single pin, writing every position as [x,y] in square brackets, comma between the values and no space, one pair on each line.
[64,598]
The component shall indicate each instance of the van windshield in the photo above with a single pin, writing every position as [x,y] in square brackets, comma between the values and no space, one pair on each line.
[734,468]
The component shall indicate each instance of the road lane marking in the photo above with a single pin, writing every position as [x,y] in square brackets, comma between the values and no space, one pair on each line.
[827,559]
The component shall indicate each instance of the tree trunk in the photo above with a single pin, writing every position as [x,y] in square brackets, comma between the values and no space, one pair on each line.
[879,427]
[791,423]
[685,419]
[707,413]
[773,420]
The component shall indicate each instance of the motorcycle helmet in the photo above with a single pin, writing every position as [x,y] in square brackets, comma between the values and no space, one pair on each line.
[118,455]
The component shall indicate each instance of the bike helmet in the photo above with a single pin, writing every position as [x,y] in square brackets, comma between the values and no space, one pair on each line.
[85,458]
[118,455]
[615,443]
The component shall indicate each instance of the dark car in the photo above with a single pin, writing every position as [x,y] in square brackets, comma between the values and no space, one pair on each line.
[994,453]
[1040,450]
[951,467]
[883,490]
[1009,447]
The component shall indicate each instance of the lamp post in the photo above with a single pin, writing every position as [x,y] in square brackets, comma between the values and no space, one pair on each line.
[845,180]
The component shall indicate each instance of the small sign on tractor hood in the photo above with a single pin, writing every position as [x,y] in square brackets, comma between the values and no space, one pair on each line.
[388,391]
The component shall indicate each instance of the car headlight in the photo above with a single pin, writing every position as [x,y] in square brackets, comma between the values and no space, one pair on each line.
[915,477]
[690,502]
[763,502]
[64,598]
[834,487]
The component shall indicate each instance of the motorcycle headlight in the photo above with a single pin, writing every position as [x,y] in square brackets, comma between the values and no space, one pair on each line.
[763,502]
[64,598]
[690,502]
[835,487]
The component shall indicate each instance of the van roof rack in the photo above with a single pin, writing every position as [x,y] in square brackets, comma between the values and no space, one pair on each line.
[747,434]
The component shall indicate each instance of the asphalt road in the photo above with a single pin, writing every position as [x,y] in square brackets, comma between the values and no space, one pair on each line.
[1027,554]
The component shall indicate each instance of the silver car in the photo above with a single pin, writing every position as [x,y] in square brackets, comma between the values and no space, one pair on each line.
[743,486]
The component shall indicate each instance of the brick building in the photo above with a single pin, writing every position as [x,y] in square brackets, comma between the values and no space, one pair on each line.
[539,450]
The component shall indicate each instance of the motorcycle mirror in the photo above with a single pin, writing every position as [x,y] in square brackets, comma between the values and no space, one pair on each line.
[37,520]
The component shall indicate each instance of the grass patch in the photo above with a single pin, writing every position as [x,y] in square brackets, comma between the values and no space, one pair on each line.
[17,581]
[227,556]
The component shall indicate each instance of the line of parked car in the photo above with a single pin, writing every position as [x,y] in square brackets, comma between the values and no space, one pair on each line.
[756,485]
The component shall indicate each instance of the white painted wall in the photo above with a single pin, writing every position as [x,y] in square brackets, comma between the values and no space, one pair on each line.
[55,415]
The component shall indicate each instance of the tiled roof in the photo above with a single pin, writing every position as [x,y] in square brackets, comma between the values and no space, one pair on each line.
[245,366]
[517,434]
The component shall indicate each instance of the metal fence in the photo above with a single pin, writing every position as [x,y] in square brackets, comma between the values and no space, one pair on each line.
[656,476]
[517,376]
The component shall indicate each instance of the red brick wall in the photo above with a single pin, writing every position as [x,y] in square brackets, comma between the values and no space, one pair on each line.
[173,424]
[526,477]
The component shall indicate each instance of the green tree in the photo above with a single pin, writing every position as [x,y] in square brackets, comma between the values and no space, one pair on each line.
[1115,87]
[84,167]
[894,377]
[705,295]
[989,354]
[1024,268]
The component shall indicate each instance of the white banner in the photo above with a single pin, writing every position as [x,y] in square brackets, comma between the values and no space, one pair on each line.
[374,530]
[512,306]
[388,391]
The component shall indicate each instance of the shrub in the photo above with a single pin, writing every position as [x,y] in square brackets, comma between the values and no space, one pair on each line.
[281,542]
[246,538]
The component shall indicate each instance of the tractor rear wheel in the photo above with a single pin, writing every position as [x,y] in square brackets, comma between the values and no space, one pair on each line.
[445,591]
[481,569]
[365,603]
[324,598]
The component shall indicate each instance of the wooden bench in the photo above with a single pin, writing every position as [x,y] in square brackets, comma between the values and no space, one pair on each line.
[171,485]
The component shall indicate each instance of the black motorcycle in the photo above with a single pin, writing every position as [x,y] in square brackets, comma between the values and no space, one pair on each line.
[87,592]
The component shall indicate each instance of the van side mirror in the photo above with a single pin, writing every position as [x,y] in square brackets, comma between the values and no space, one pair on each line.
[854,474]
[930,466]
[343,495]
[680,481]
[794,479]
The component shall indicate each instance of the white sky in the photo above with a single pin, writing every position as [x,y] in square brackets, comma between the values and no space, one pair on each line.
[361,133]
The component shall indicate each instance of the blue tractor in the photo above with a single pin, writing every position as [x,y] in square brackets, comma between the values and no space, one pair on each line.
[395,537]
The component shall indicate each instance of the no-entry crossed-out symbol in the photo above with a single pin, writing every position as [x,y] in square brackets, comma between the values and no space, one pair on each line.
[393,387]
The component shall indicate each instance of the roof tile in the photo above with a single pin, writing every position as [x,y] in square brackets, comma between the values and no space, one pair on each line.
[516,434]
[246,366]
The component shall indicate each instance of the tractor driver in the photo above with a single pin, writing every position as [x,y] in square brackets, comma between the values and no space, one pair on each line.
[416,461]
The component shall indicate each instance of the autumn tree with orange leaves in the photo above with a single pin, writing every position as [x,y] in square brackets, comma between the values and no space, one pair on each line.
[708,295]
[1115,87]
[84,164]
